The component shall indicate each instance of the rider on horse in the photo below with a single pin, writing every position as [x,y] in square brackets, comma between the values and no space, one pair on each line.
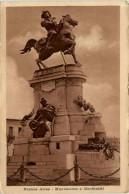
[50,25]
[60,38]
[53,29]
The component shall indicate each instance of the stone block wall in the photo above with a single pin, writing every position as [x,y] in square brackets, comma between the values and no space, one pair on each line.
[47,166]
[95,163]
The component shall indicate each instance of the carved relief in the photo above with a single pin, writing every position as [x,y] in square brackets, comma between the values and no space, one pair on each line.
[48,87]
[60,82]
[69,82]
[74,82]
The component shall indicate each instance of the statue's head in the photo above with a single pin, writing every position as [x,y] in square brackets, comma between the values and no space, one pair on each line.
[43,101]
[45,14]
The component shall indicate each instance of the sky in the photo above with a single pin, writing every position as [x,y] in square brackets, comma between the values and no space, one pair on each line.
[97,49]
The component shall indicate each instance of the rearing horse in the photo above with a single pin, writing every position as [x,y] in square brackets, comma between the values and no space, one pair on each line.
[64,41]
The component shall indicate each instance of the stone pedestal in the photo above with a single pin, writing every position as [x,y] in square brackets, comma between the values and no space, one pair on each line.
[54,155]
[60,85]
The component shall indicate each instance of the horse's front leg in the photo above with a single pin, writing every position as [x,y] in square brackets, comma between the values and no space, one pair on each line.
[38,63]
[43,64]
[74,56]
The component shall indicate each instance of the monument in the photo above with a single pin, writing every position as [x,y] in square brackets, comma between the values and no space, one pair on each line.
[62,123]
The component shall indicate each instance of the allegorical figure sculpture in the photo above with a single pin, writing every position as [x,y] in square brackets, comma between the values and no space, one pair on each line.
[82,103]
[60,37]
[43,119]
[26,117]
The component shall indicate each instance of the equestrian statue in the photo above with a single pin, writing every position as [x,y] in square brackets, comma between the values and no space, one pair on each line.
[60,38]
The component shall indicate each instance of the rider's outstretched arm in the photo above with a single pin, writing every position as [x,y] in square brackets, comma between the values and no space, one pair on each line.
[45,23]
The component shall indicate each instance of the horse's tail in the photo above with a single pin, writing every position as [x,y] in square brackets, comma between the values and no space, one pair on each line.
[30,43]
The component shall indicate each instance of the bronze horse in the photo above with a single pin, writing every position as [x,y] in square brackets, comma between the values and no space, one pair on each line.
[63,41]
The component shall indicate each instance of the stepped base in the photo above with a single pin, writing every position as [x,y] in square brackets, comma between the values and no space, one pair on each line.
[53,166]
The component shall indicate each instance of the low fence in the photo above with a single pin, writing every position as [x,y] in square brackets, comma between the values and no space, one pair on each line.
[23,170]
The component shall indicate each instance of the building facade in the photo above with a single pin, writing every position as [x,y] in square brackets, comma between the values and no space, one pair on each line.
[13,127]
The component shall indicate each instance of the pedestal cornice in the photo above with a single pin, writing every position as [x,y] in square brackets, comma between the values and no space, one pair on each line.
[68,72]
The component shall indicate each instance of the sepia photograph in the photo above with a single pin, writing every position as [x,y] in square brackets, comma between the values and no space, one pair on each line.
[63,90]
[63,124]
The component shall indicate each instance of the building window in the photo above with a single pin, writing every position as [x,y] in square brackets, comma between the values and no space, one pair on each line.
[19,129]
[11,131]
[57,146]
